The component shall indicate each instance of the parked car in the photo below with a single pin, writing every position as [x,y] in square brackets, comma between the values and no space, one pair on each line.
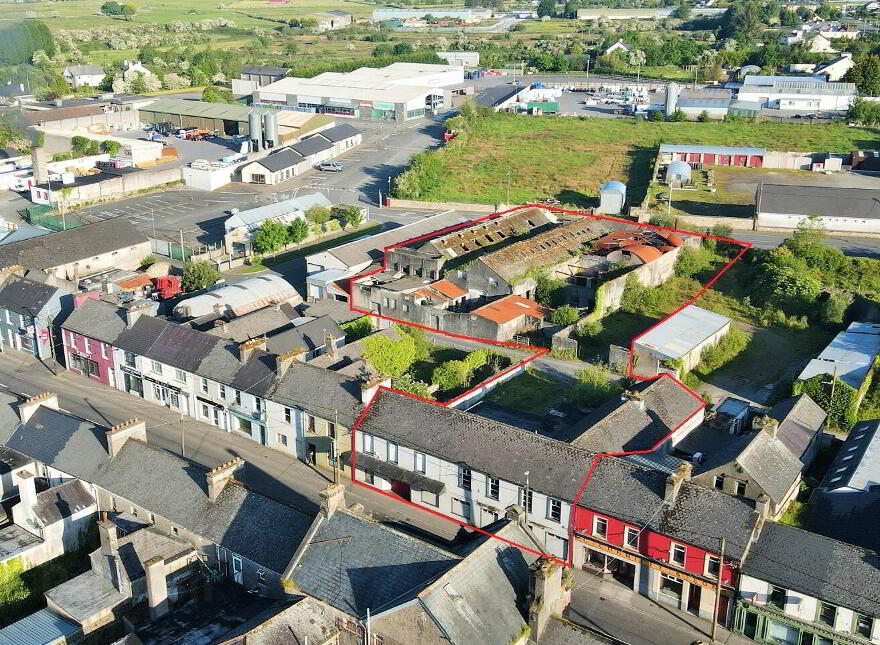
[330,166]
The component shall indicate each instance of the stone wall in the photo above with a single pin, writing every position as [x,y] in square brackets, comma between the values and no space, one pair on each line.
[444,206]
[122,185]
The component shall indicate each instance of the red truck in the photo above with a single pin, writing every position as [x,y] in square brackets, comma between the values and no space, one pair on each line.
[199,134]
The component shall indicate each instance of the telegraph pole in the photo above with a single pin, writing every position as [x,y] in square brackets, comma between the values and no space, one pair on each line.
[718,590]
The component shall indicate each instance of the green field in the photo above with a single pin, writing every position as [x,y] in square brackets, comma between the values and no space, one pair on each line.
[570,158]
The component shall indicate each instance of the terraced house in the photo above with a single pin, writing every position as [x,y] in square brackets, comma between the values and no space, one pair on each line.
[655,531]
[275,399]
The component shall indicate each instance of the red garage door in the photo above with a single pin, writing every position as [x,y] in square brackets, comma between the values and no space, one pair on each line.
[681,156]
[694,157]
[708,159]
[723,160]
[755,161]
[739,160]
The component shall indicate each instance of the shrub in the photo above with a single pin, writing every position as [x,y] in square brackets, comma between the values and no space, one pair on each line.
[450,375]
[348,215]
[407,383]
[565,315]
[111,147]
[842,410]
[148,261]
[833,309]
[198,275]
[476,359]
[320,215]
[692,261]
[637,298]
[725,350]
[388,356]
[357,329]
[590,328]
[594,387]
[549,292]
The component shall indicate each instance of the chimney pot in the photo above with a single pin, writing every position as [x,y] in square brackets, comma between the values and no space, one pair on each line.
[247,349]
[370,387]
[217,477]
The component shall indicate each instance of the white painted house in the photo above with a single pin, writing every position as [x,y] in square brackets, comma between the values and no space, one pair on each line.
[84,75]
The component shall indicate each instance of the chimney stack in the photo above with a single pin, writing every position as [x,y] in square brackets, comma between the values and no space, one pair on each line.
[134,311]
[27,408]
[247,349]
[769,425]
[284,361]
[636,397]
[675,480]
[550,591]
[329,344]
[218,477]
[120,433]
[762,506]
[157,587]
[27,492]
[516,513]
[40,159]
[108,535]
[369,388]
[332,499]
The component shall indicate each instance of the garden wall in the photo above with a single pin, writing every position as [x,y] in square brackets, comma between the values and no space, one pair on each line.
[445,206]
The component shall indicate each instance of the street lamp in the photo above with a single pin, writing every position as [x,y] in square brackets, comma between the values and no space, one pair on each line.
[526,495]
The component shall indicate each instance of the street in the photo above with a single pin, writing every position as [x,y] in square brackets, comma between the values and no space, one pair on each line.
[268,471]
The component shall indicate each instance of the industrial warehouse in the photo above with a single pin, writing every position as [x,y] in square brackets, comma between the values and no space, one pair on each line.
[234,119]
[398,92]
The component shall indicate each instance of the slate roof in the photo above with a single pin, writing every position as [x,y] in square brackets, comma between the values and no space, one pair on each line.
[817,566]
[340,132]
[826,201]
[84,70]
[14,540]
[389,471]
[39,628]
[144,544]
[624,425]
[311,146]
[166,485]
[309,335]
[800,418]
[96,319]
[62,501]
[771,465]
[257,323]
[857,464]
[852,517]
[85,596]
[264,69]
[560,631]
[480,600]
[25,296]
[72,245]
[557,469]
[284,158]
[355,564]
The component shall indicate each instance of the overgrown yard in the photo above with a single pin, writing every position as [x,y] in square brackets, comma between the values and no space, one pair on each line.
[569,158]
[533,391]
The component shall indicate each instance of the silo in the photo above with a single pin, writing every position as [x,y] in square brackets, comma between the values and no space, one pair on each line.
[256,127]
[672,91]
[270,129]
[612,197]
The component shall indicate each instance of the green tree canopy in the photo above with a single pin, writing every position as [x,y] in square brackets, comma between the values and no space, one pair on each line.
[298,231]
[388,356]
[19,40]
[865,73]
[450,375]
[565,315]
[212,94]
[270,237]
[198,275]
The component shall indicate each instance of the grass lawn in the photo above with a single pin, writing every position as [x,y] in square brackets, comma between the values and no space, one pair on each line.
[533,391]
[570,158]
[619,328]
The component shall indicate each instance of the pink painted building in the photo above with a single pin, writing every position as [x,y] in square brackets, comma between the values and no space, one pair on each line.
[90,357]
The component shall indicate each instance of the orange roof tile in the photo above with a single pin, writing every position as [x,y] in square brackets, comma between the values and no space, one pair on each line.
[510,308]
[134,283]
[448,289]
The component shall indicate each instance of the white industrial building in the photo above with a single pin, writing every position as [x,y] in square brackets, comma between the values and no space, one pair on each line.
[398,92]
[461,59]
[844,210]
[796,93]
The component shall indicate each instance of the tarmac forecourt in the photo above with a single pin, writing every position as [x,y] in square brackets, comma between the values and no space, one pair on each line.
[538,352]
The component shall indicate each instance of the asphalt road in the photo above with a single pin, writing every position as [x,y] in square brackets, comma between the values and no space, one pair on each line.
[856,246]
[268,471]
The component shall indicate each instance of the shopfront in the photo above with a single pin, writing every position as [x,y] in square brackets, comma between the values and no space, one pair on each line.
[133,381]
[168,395]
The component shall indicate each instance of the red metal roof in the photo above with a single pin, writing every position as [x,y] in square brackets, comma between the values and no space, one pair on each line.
[510,308]
[644,252]
[448,289]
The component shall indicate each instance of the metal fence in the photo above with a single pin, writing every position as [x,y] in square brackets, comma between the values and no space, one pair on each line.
[171,250]
[44,216]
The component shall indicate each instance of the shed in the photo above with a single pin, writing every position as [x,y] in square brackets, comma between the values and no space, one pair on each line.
[681,338]
[612,197]
[240,298]
[678,173]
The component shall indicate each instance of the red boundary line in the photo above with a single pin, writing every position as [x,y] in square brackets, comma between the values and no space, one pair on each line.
[538,352]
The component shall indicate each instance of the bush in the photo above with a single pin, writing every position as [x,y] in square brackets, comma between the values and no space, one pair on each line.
[590,328]
[549,292]
[357,329]
[637,298]
[198,275]
[728,348]
[111,147]
[833,310]
[407,383]
[388,356]
[320,215]
[450,375]
[298,230]
[842,410]
[476,359]
[148,261]
[594,387]
[692,261]
[565,315]
[348,215]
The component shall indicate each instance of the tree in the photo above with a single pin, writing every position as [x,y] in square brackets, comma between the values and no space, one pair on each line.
[402,48]
[388,356]
[270,237]
[684,10]
[450,375]
[565,315]
[298,231]
[865,112]
[865,73]
[742,21]
[320,215]
[198,275]
[111,9]
[212,94]
[19,40]
[290,48]
[128,10]
[547,8]
[691,261]
[348,215]
[549,292]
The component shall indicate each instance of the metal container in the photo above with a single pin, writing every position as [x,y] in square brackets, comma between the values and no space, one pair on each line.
[270,129]
[256,127]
